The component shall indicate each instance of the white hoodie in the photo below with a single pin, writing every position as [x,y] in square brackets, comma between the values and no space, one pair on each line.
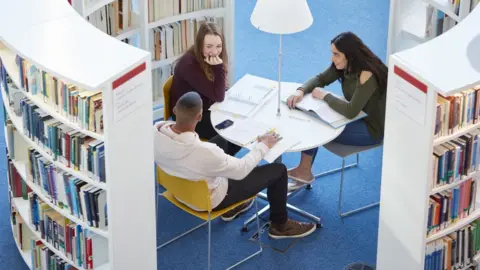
[186,156]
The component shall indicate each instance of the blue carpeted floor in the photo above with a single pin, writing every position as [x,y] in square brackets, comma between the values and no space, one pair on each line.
[330,248]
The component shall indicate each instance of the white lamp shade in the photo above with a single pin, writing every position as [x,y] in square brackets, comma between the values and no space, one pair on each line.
[281,16]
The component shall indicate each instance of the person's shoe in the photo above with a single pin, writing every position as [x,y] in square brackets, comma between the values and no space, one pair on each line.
[235,212]
[294,185]
[305,177]
[291,229]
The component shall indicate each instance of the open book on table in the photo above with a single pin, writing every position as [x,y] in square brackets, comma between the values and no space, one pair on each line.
[320,109]
[246,96]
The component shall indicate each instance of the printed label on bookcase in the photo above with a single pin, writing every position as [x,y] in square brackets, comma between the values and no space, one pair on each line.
[410,95]
[128,93]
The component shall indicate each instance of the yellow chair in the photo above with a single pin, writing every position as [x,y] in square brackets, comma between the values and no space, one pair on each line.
[196,193]
[166,100]
[166,97]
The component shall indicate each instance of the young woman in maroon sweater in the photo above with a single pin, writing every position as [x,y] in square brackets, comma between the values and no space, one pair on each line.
[203,69]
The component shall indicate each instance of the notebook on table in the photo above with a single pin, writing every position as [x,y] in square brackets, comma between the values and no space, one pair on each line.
[320,109]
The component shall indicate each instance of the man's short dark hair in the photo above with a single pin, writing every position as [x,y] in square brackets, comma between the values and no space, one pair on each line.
[188,106]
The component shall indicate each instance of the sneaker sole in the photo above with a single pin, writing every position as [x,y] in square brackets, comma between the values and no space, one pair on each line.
[240,212]
[305,234]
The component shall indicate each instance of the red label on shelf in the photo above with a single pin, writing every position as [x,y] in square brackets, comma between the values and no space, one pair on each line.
[127,76]
[409,78]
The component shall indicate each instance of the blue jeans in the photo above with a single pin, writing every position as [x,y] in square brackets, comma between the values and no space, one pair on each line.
[355,133]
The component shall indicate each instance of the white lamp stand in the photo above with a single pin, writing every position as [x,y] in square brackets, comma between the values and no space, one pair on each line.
[281,17]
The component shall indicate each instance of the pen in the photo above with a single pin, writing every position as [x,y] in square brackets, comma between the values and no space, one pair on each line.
[298,118]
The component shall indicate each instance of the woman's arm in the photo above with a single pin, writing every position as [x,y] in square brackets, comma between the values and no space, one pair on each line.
[325,78]
[213,90]
[362,94]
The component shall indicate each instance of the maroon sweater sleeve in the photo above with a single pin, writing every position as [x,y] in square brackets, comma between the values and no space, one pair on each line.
[193,74]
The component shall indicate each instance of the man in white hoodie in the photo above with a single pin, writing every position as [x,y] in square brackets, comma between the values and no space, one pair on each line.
[180,152]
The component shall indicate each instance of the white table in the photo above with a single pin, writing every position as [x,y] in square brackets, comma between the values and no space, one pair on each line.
[311,131]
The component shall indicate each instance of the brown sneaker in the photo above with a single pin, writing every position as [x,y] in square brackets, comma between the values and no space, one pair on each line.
[232,214]
[291,229]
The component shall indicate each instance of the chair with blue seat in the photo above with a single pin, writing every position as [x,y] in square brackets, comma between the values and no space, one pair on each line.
[345,151]
[197,195]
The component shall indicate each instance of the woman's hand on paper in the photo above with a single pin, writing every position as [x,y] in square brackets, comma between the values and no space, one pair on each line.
[270,139]
[294,99]
[213,60]
[319,93]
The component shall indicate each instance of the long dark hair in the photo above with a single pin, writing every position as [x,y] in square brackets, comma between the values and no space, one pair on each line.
[360,58]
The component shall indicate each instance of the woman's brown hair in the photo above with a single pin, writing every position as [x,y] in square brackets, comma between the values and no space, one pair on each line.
[208,28]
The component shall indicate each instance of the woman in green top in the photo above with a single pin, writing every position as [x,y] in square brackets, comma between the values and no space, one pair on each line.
[363,77]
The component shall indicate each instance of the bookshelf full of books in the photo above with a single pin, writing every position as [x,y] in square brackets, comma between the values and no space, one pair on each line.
[74,116]
[413,22]
[430,198]
[165,28]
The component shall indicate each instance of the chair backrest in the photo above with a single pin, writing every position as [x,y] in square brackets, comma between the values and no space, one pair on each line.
[166,97]
[194,193]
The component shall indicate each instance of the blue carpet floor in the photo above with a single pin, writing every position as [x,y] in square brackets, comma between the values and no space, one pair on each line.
[339,242]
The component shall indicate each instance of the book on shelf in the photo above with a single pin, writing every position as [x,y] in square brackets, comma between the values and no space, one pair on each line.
[456,112]
[455,250]
[449,206]
[318,108]
[159,77]
[80,106]
[75,242]
[171,40]
[78,198]
[456,159]
[18,187]
[159,9]
[109,18]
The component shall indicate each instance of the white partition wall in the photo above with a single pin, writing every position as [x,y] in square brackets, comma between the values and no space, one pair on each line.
[78,128]
[429,202]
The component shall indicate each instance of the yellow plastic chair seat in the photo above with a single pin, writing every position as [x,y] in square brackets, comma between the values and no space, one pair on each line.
[200,214]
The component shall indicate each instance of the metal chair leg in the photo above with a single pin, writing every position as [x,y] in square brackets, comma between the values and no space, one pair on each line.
[338,169]
[259,240]
[209,241]
[341,188]
[340,196]
[181,235]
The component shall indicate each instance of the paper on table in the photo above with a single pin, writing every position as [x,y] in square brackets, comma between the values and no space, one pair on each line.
[244,132]
[281,147]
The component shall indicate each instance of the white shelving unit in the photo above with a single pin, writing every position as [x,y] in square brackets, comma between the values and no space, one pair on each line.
[55,39]
[143,27]
[416,77]
[408,21]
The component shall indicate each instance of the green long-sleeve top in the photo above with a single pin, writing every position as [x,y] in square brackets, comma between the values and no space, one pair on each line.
[366,97]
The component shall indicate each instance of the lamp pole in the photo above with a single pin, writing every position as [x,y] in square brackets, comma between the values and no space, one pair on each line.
[279,75]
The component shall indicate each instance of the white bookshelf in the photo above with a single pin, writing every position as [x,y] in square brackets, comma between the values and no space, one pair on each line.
[408,21]
[143,27]
[428,71]
[54,38]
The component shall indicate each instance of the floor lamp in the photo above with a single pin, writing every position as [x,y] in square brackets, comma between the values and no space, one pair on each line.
[281,17]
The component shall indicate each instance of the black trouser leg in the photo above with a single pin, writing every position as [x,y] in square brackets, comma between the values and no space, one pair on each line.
[271,176]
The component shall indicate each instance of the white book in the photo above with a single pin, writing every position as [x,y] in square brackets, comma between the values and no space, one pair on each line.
[318,108]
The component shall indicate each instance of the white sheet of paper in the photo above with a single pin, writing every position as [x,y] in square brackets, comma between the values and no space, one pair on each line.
[410,100]
[244,132]
[128,97]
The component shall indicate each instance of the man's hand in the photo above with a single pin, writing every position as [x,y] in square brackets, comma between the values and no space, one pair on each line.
[214,60]
[319,93]
[270,139]
[294,99]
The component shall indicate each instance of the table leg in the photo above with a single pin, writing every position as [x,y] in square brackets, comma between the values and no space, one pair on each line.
[299,211]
